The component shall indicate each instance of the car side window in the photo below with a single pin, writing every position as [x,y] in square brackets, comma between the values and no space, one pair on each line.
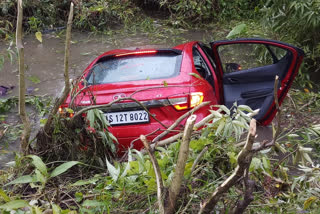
[236,57]
[201,66]
[209,54]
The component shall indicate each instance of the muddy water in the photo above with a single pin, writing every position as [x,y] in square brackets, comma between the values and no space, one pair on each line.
[44,63]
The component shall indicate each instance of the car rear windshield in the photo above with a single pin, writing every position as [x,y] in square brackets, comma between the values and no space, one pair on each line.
[133,68]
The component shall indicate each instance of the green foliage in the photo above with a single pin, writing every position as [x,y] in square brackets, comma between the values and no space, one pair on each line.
[237,30]
[6,54]
[130,185]
[88,15]
[99,124]
[200,12]
[231,123]
[41,173]
[297,22]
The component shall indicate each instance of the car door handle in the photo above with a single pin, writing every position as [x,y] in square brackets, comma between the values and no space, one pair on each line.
[232,80]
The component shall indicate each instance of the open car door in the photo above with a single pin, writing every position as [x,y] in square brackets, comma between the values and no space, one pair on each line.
[247,69]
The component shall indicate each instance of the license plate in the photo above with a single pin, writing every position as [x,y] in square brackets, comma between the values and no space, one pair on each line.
[127,117]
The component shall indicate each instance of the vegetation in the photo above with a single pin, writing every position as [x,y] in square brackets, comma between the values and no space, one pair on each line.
[279,187]
[76,170]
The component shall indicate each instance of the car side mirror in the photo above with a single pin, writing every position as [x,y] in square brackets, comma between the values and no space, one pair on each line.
[232,67]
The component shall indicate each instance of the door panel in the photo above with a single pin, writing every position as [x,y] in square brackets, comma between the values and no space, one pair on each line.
[248,68]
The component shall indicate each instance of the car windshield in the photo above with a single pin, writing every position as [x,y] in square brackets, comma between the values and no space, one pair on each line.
[132,68]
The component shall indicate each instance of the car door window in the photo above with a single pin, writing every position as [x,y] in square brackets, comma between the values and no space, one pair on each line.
[238,57]
[201,66]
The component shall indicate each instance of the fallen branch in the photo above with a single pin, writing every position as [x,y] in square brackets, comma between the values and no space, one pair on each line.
[273,142]
[3,132]
[313,100]
[178,121]
[174,138]
[248,195]
[157,172]
[276,101]
[244,160]
[175,186]
[204,150]
[66,89]
[77,114]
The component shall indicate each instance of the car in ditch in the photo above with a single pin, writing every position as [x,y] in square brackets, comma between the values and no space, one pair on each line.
[167,83]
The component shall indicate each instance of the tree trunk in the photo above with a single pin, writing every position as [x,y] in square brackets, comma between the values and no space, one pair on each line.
[22,88]
[183,155]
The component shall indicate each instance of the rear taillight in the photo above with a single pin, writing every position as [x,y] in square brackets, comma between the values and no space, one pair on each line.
[196,98]
[184,102]
[179,103]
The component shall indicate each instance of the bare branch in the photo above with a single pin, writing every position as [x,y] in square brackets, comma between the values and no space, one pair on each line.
[244,160]
[178,121]
[66,89]
[181,163]
[113,102]
[157,172]
[204,150]
[174,138]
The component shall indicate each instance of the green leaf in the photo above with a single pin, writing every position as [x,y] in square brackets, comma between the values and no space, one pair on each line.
[216,113]
[4,196]
[92,203]
[308,202]
[38,163]
[63,168]
[90,117]
[113,171]
[225,109]
[240,124]
[39,36]
[16,204]
[220,127]
[37,210]
[86,54]
[239,29]
[266,164]
[56,209]
[255,164]
[195,75]
[69,110]
[34,79]
[23,180]
[165,84]
[43,121]
[245,108]
[40,177]
[85,182]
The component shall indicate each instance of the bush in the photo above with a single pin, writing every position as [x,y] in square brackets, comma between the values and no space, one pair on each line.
[89,15]
[297,22]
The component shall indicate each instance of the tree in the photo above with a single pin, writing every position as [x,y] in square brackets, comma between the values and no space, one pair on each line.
[22,88]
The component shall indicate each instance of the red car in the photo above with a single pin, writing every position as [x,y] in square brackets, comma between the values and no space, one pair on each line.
[170,82]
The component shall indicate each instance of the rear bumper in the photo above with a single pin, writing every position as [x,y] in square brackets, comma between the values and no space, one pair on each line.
[129,135]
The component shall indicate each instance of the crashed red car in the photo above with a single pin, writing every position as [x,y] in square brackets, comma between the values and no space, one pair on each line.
[170,82]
